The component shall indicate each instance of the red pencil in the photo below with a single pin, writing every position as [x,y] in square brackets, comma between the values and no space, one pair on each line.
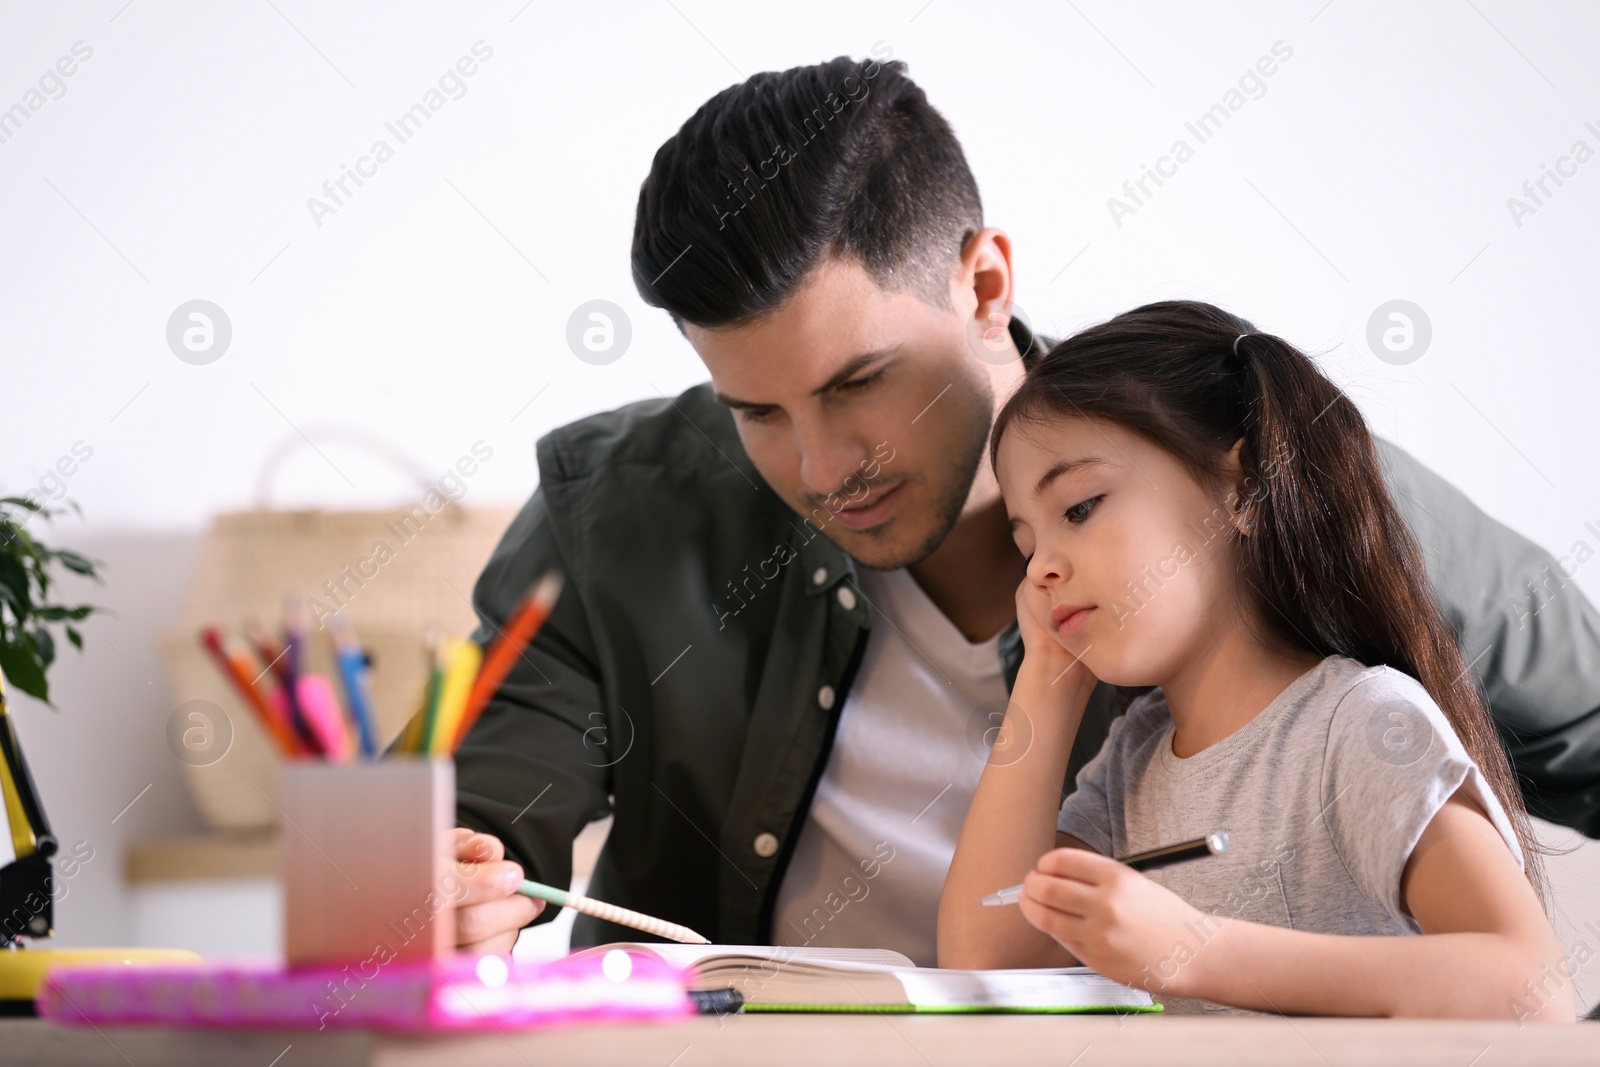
[504,650]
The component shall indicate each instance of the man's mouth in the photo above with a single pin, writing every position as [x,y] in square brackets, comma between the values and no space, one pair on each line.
[871,511]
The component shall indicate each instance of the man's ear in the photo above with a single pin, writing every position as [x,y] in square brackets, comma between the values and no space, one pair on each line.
[986,271]
[982,286]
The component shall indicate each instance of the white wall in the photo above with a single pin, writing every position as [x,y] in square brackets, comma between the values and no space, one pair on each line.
[431,309]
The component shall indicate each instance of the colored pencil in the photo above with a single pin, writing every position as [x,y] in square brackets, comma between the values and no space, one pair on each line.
[355,673]
[320,707]
[414,737]
[233,660]
[507,647]
[294,639]
[610,912]
[461,660]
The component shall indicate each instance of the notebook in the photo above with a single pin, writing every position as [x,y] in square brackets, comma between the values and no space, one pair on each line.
[878,980]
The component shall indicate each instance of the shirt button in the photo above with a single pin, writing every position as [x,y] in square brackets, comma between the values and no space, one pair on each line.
[847,599]
[819,575]
[825,697]
[766,846]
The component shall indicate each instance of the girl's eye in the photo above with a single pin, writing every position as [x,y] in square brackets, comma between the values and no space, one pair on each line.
[861,383]
[1077,513]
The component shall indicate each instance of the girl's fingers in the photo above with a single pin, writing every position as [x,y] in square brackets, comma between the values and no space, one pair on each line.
[1065,895]
[1063,926]
[1078,864]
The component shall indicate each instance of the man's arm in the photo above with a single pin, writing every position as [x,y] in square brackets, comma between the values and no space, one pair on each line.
[533,769]
[1532,637]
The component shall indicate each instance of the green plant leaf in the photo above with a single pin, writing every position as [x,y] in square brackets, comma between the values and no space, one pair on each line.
[59,612]
[46,646]
[76,638]
[74,562]
[20,665]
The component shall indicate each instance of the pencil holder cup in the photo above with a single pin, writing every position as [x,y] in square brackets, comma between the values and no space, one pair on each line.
[367,873]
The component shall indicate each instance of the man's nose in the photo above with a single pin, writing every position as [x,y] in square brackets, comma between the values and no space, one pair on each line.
[830,461]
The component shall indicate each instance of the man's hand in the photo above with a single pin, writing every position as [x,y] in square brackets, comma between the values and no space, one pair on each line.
[1116,920]
[492,913]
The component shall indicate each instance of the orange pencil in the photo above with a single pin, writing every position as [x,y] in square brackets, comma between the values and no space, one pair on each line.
[503,652]
[234,661]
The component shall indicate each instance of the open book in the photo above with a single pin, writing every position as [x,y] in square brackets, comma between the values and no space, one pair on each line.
[843,979]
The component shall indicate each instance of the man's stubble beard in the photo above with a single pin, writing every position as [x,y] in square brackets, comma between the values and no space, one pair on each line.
[953,500]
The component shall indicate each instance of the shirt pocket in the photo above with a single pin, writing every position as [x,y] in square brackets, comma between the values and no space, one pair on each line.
[1251,891]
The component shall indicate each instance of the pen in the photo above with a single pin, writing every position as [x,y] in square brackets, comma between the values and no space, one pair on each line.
[1213,844]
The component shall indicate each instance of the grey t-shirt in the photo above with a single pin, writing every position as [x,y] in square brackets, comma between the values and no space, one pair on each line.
[1323,795]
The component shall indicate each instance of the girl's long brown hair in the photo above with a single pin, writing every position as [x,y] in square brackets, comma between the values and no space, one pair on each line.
[1329,561]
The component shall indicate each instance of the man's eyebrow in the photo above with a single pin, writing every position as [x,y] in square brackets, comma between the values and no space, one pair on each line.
[853,366]
[1067,466]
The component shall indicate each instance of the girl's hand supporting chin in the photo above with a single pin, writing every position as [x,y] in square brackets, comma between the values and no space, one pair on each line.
[1043,654]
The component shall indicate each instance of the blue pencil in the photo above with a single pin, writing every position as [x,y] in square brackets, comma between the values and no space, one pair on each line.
[357,681]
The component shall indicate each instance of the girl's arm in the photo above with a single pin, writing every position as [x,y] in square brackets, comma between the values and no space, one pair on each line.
[1487,950]
[1012,820]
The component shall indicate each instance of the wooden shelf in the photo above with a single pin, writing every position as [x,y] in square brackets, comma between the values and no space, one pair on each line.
[202,858]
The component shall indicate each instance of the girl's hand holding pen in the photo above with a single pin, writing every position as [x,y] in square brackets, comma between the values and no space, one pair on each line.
[1117,921]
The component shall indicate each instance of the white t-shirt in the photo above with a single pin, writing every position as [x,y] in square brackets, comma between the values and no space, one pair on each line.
[912,741]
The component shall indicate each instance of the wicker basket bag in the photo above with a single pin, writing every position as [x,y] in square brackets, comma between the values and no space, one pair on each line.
[396,573]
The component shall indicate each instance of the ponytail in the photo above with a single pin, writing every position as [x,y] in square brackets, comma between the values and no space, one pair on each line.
[1329,562]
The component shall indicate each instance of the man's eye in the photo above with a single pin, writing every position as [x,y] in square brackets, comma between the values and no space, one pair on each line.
[861,383]
[755,414]
[1079,512]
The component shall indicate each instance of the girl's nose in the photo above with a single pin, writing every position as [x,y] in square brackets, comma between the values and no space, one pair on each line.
[1048,566]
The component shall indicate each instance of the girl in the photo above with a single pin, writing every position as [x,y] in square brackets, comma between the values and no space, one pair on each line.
[1203,511]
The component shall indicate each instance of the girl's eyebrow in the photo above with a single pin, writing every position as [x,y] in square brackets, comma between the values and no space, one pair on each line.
[1067,466]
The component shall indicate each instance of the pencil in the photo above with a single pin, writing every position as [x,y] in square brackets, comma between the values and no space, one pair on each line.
[232,659]
[430,720]
[610,912]
[507,646]
[415,734]
[1213,844]
[461,659]
[294,641]
[357,680]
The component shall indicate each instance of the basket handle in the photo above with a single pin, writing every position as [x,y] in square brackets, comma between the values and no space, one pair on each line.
[396,457]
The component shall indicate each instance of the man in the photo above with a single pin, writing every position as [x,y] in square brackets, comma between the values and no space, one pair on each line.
[788,629]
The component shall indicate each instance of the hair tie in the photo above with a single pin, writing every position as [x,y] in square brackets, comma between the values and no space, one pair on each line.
[1236,341]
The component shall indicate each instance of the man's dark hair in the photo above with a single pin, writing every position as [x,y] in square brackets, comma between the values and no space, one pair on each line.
[843,159]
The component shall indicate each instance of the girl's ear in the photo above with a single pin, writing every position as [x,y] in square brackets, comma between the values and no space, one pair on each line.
[1242,490]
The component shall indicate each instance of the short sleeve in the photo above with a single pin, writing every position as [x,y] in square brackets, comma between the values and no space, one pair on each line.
[1391,763]
[1086,813]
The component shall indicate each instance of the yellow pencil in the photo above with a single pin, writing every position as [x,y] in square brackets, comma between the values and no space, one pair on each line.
[461,659]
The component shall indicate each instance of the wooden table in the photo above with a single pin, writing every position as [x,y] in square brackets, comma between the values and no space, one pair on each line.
[835,1040]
